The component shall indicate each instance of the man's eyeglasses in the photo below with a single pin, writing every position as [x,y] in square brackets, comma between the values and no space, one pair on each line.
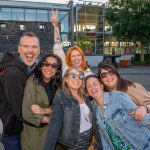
[73,75]
[106,74]
[47,64]
[28,46]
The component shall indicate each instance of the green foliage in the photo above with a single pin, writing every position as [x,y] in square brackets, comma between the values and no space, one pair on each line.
[146,56]
[130,19]
[84,42]
[137,57]
[145,62]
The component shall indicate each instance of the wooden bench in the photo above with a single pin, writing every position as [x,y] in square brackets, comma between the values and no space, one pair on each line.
[125,63]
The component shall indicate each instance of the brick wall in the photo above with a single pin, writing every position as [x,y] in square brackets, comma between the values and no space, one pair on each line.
[9,37]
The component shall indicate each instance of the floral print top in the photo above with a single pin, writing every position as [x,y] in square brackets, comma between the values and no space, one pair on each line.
[118,144]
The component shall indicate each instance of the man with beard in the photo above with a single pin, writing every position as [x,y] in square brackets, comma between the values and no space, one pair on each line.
[13,74]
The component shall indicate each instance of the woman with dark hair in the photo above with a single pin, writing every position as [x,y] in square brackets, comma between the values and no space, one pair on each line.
[113,81]
[119,130]
[72,121]
[38,97]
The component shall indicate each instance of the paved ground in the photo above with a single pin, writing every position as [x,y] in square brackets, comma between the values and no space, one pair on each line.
[139,74]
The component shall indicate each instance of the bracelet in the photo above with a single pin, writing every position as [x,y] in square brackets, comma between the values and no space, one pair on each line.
[44,111]
[146,108]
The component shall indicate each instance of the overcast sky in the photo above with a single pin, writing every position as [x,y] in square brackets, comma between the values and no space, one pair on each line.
[63,1]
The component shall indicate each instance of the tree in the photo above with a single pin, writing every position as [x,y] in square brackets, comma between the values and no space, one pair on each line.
[130,21]
[84,42]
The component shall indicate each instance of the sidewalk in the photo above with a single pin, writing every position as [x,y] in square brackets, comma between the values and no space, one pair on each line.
[139,74]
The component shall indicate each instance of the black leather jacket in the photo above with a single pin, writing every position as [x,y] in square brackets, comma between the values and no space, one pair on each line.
[65,121]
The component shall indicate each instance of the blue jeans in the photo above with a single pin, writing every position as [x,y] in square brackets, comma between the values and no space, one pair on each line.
[11,142]
[1,144]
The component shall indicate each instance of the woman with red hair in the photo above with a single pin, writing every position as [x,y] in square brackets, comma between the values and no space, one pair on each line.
[74,55]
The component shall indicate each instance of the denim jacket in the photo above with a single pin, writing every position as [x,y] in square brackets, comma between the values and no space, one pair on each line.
[117,105]
[65,121]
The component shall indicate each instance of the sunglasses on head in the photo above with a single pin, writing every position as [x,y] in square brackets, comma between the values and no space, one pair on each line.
[108,73]
[73,75]
[47,64]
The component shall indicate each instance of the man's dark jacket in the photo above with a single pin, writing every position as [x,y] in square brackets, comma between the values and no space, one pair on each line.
[12,83]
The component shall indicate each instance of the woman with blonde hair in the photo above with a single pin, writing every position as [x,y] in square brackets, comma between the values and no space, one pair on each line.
[72,121]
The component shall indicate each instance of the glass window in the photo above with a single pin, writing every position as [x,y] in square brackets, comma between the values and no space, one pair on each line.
[30,14]
[90,10]
[81,17]
[101,27]
[63,18]
[91,17]
[17,14]
[81,9]
[2,26]
[81,26]
[42,15]
[41,27]
[100,18]
[22,27]
[90,26]
[49,14]
[5,13]
[99,11]
[66,41]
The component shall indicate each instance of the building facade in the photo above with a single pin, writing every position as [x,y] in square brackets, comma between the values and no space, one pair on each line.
[82,23]
[89,22]
[18,17]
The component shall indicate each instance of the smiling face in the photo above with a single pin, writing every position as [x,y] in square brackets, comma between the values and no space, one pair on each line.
[74,80]
[94,88]
[49,69]
[29,49]
[76,58]
[110,80]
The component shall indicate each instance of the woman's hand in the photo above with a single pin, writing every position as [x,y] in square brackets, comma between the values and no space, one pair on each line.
[36,109]
[54,18]
[139,113]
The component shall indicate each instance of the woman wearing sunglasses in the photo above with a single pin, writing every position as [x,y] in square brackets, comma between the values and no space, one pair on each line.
[74,55]
[72,120]
[38,97]
[119,130]
[114,82]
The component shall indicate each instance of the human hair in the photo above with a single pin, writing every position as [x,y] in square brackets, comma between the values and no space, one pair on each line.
[93,75]
[122,84]
[65,88]
[29,34]
[56,80]
[68,57]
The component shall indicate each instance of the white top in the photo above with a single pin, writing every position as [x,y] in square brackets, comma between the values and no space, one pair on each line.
[85,123]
